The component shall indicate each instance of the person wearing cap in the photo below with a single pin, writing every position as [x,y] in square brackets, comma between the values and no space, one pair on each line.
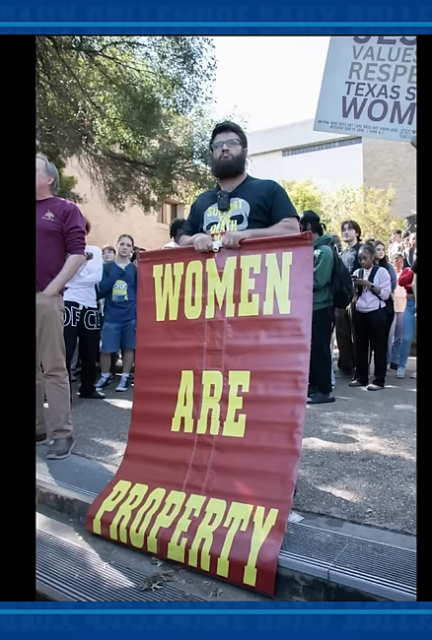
[240,206]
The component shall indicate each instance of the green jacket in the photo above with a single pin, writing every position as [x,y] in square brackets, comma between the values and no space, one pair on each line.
[323,267]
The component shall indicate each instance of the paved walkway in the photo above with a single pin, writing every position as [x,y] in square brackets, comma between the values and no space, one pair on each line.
[359,454]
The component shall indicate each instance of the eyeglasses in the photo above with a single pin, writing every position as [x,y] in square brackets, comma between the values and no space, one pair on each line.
[232,142]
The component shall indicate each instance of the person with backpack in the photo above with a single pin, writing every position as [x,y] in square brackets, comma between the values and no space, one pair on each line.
[320,385]
[119,289]
[373,288]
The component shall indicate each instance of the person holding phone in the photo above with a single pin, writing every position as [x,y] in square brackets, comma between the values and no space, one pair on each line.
[373,287]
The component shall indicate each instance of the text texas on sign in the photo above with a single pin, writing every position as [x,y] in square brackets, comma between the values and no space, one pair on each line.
[210,467]
[369,88]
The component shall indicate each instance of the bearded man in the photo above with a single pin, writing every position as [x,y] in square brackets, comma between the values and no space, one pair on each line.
[240,206]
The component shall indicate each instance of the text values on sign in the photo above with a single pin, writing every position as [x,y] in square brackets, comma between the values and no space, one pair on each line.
[376,75]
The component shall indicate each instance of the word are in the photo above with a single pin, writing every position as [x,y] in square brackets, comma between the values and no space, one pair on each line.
[201,287]
[139,517]
[212,387]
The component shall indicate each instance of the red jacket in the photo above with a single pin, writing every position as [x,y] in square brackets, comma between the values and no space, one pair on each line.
[406,278]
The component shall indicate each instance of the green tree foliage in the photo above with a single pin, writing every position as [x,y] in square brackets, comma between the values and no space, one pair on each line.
[370,207]
[128,108]
[304,195]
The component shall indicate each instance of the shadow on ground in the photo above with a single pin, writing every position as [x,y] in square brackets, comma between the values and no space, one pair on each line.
[359,454]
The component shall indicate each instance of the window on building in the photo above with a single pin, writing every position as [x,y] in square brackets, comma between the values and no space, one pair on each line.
[167,213]
[320,147]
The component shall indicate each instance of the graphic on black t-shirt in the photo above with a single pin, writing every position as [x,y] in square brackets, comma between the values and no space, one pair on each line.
[216,223]
[255,204]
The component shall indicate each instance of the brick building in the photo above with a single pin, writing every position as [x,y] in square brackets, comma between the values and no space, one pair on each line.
[150,230]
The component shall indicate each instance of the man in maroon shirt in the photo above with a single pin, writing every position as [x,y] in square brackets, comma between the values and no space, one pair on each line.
[60,252]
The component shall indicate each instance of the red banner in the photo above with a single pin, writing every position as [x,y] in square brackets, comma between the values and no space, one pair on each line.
[222,363]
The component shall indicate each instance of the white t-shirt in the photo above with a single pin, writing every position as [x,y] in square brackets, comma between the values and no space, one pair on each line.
[170,245]
[81,288]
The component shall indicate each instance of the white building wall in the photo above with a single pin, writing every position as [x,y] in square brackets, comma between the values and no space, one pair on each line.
[327,168]
[295,134]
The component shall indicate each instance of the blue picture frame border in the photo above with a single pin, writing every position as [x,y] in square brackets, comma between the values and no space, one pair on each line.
[328,619]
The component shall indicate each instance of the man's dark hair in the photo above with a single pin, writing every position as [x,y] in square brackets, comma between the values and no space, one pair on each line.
[176,226]
[313,220]
[226,127]
[398,231]
[352,224]
[406,234]
[126,235]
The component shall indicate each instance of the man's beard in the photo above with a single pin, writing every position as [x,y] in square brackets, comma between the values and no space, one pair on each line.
[228,168]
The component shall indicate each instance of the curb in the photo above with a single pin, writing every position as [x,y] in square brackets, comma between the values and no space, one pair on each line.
[296,580]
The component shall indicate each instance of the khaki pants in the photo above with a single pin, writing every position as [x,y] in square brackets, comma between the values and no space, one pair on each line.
[51,373]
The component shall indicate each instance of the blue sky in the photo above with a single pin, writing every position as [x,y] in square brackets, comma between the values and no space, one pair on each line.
[269,80]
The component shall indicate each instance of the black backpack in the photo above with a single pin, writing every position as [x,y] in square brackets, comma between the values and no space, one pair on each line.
[341,284]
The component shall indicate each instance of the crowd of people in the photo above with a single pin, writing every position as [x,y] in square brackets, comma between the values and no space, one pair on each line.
[86,297]
[100,310]
[381,318]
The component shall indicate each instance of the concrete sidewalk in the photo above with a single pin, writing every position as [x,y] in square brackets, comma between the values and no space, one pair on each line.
[359,454]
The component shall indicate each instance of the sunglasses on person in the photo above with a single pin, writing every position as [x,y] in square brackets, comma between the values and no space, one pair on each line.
[232,142]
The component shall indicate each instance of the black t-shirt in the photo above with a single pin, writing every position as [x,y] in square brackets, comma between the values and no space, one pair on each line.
[254,204]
